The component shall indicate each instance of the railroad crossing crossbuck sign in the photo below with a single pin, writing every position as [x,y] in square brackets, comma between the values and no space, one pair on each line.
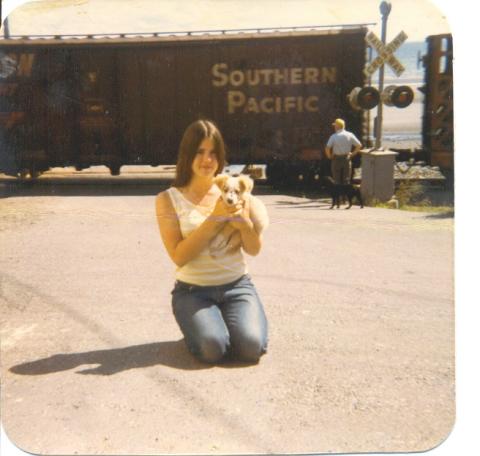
[385,54]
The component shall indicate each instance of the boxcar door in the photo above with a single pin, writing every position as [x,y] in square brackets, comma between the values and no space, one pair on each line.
[98,132]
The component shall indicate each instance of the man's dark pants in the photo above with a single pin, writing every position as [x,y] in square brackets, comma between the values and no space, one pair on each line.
[341,169]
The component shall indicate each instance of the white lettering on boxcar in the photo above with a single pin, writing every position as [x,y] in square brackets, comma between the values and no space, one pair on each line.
[240,101]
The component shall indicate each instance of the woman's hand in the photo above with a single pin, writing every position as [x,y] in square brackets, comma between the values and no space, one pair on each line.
[221,212]
[237,215]
[240,216]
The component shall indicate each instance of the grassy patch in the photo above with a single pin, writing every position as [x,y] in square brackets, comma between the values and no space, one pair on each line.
[412,196]
[446,210]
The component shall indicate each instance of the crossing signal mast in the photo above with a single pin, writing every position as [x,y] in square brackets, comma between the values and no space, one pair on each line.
[369,97]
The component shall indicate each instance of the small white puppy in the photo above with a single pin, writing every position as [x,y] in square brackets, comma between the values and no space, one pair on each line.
[235,189]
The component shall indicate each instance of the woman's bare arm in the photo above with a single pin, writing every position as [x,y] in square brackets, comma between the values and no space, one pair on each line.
[181,250]
[251,240]
[251,220]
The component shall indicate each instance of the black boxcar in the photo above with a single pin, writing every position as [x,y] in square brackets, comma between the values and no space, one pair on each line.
[437,125]
[82,101]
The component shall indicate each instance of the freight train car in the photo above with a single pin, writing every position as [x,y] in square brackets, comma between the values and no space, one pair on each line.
[113,101]
[437,125]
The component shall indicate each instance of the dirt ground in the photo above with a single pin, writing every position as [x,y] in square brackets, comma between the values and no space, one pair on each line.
[361,315]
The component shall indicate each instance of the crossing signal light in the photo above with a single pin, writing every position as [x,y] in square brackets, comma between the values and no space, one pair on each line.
[398,96]
[364,97]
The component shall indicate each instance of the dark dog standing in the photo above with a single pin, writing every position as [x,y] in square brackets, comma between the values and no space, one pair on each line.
[346,190]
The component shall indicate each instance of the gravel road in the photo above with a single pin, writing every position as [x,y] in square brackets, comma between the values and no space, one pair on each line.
[361,314]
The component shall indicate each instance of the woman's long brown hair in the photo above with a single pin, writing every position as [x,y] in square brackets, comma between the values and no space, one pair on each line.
[195,133]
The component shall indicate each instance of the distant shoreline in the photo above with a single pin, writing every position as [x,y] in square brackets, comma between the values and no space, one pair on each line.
[402,128]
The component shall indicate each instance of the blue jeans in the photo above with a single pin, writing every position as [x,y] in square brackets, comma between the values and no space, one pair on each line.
[216,320]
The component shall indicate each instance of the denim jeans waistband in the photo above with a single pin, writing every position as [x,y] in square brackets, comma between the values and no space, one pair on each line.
[191,286]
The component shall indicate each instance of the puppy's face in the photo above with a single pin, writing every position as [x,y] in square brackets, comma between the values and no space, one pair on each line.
[233,188]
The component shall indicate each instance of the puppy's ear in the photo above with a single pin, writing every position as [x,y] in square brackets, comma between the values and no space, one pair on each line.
[220,180]
[246,183]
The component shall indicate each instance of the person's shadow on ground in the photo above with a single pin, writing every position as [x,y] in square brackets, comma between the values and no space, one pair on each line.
[171,353]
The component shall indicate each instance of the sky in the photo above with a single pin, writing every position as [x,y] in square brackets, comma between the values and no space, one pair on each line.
[418,18]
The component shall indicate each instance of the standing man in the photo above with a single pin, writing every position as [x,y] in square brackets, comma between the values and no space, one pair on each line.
[339,150]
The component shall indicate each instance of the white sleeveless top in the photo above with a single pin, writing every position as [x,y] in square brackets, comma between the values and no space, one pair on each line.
[204,270]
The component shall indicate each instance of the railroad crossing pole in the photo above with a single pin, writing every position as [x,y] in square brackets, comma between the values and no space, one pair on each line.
[385,8]
[6,31]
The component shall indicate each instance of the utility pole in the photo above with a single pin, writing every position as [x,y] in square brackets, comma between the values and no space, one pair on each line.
[6,31]
[385,8]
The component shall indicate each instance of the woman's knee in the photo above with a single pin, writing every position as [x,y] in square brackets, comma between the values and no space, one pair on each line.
[212,348]
[250,348]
